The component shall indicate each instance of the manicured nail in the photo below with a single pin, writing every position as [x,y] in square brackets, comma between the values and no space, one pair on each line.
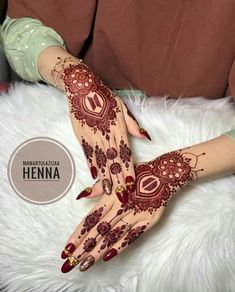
[145,133]
[107,186]
[84,193]
[122,194]
[70,248]
[93,172]
[110,254]
[69,264]
[86,263]
[130,184]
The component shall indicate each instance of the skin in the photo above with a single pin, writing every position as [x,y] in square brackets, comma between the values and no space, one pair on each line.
[110,227]
[101,121]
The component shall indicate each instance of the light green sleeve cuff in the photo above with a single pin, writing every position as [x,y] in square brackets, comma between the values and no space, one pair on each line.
[23,40]
[231,134]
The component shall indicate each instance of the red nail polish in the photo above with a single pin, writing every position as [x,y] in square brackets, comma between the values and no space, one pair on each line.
[130,184]
[145,133]
[122,196]
[70,248]
[93,172]
[109,254]
[68,266]
[84,193]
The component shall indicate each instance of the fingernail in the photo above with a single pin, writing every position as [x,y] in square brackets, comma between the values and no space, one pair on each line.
[107,186]
[86,263]
[122,194]
[130,184]
[84,193]
[145,133]
[93,172]
[70,263]
[110,254]
[70,248]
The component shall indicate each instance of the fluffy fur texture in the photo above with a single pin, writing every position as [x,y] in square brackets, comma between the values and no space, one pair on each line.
[191,249]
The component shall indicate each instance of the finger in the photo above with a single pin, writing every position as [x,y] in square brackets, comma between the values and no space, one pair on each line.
[131,235]
[132,124]
[93,217]
[126,158]
[88,150]
[91,192]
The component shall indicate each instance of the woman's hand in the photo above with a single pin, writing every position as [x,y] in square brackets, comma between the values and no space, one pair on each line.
[101,122]
[111,226]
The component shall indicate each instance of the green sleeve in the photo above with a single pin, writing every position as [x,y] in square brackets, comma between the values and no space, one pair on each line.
[23,40]
[231,134]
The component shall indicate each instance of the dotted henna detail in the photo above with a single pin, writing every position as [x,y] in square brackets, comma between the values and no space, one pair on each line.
[125,153]
[92,103]
[111,153]
[91,220]
[115,168]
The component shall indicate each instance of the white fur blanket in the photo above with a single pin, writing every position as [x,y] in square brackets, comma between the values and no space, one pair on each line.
[191,249]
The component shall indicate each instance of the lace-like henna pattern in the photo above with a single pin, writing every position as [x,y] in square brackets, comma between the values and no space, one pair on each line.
[125,153]
[101,158]
[132,235]
[92,103]
[113,236]
[91,220]
[159,179]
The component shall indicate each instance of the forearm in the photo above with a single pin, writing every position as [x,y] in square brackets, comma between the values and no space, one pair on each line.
[213,158]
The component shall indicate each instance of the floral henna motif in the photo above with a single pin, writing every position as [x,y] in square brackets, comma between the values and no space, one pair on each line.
[111,153]
[88,150]
[91,220]
[89,244]
[101,158]
[92,103]
[112,236]
[103,228]
[125,153]
[132,235]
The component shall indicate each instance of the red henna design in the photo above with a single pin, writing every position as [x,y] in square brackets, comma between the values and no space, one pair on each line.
[88,150]
[89,244]
[115,168]
[101,159]
[132,235]
[125,153]
[103,228]
[91,220]
[92,103]
[113,236]
[111,153]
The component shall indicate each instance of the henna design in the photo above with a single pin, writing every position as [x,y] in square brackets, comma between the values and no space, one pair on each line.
[130,114]
[100,158]
[103,228]
[89,244]
[158,180]
[88,150]
[111,153]
[125,153]
[115,168]
[91,220]
[132,235]
[92,103]
[113,236]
